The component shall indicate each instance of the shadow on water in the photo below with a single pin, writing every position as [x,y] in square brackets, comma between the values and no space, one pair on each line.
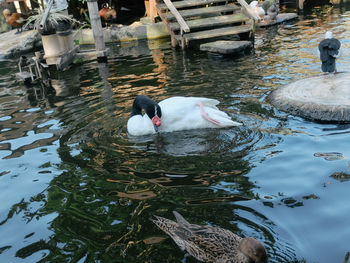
[77,188]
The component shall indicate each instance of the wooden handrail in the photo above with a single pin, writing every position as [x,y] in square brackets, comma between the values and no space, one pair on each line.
[184,27]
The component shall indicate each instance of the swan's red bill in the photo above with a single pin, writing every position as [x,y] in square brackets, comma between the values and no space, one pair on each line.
[156,121]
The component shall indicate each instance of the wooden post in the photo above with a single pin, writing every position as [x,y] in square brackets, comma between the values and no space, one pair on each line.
[97,30]
[23,7]
[152,9]
[34,4]
[183,25]
[301,4]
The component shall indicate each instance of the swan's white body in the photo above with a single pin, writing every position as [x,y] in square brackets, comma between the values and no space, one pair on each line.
[181,113]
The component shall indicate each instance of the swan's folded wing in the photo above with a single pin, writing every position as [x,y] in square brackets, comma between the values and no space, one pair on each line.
[175,102]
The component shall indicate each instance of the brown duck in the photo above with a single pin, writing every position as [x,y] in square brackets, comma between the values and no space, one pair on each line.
[15,19]
[212,244]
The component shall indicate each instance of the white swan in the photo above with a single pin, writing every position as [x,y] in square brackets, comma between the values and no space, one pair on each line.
[175,114]
[257,9]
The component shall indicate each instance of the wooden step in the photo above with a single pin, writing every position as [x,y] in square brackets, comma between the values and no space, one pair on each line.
[202,11]
[189,3]
[211,21]
[220,32]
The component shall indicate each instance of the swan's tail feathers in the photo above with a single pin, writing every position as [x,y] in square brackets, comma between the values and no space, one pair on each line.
[206,116]
[217,117]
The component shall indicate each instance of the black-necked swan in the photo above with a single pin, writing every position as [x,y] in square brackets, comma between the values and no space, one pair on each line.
[175,114]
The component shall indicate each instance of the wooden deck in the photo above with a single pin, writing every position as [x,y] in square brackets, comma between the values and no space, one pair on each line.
[194,20]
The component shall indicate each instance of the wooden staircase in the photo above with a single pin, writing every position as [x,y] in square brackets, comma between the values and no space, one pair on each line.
[194,20]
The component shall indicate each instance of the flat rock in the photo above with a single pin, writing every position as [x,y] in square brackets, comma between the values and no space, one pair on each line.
[279,19]
[322,98]
[12,44]
[226,47]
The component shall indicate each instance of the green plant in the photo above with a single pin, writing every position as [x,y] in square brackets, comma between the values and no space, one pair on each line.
[52,19]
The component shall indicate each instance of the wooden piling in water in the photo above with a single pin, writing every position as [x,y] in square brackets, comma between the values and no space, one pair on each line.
[301,4]
[96,26]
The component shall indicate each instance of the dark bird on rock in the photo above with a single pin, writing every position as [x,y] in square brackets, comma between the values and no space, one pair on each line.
[212,244]
[329,50]
[15,19]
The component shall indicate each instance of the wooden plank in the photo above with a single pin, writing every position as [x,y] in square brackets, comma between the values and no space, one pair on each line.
[177,15]
[202,11]
[151,11]
[96,26]
[211,21]
[190,3]
[220,32]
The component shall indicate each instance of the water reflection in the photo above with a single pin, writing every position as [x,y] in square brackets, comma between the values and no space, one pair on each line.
[76,187]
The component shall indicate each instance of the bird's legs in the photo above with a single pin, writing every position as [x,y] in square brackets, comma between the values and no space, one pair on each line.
[18,30]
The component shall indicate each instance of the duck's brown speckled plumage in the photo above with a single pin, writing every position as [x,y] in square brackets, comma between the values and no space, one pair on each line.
[212,244]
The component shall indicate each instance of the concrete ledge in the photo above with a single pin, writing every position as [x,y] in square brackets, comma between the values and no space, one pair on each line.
[322,98]
[12,44]
[279,19]
[136,31]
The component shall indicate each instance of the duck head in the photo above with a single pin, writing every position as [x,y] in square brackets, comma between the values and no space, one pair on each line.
[151,108]
[253,249]
[7,12]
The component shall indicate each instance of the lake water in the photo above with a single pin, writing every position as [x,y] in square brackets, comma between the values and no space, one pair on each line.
[74,187]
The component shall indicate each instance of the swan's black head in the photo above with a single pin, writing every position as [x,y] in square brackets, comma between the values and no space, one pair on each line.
[151,108]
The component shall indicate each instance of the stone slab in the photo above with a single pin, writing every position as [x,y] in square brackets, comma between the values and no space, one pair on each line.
[322,98]
[226,47]
[283,17]
[12,44]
